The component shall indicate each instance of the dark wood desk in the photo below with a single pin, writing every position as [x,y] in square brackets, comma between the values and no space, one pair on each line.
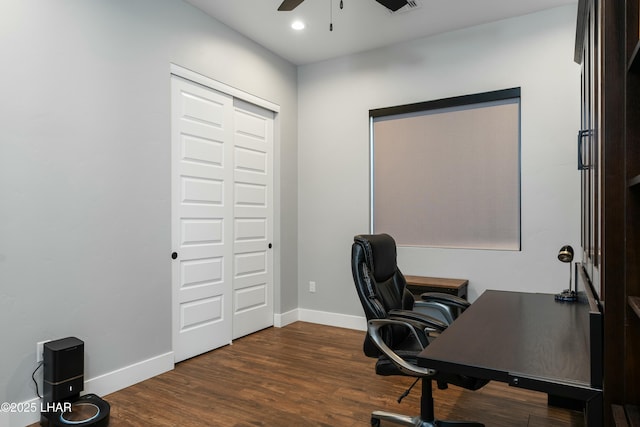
[526,340]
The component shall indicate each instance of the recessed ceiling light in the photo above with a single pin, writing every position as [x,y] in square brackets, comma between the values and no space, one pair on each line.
[297,25]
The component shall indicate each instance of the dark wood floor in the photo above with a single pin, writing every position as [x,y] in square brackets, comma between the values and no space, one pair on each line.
[308,375]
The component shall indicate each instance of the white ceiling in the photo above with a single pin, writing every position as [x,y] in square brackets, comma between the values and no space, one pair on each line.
[362,24]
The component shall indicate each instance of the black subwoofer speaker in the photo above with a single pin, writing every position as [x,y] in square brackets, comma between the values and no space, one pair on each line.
[63,380]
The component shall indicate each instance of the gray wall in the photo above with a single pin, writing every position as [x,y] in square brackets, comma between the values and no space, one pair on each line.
[533,52]
[85,172]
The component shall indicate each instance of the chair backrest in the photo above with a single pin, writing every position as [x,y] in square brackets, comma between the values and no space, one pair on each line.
[380,285]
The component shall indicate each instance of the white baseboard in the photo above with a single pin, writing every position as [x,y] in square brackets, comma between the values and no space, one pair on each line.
[129,375]
[320,317]
[100,385]
[333,319]
[283,319]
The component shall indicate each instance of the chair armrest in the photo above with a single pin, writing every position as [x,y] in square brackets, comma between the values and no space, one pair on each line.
[443,312]
[430,323]
[373,328]
[448,299]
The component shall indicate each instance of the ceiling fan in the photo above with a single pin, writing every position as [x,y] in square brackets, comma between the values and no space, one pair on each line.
[393,5]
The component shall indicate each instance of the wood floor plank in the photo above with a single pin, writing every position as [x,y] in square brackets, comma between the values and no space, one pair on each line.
[308,375]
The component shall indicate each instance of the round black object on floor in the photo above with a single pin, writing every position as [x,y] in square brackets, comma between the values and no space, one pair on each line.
[81,412]
[88,410]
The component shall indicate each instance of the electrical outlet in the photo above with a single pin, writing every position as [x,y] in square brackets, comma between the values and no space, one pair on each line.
[40,350]
[312,287]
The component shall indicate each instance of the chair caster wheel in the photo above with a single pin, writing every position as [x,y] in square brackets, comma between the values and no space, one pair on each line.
[375,422]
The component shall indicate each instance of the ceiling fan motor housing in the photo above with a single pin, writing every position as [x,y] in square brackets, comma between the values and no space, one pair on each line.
[393,5]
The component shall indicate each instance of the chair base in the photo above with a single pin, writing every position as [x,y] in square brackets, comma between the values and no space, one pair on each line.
[417,421]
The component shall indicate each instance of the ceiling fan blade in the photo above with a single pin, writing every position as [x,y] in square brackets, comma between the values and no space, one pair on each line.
[288,5]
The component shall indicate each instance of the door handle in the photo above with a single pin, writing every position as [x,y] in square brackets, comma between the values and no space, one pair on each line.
[581,134]
[270,245]
[174,255]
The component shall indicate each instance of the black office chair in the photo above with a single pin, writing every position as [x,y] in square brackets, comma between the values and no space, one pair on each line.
[396,333]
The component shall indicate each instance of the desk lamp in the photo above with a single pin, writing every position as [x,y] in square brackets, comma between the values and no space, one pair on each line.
[566,255]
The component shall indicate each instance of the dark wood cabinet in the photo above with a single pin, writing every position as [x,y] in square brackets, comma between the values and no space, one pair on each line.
[632,249]
[609,149]
[588,54]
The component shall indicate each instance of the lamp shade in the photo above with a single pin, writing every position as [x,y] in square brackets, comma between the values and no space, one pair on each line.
[565,254]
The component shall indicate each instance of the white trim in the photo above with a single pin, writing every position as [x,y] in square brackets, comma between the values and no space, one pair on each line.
[333,319]
[100,385]
[281,320]
[130,375]
[222,87]
[371,200]
[347,321]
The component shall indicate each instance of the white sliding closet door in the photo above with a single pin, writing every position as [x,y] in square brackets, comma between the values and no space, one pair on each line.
[202,212]
[253,213]
[222,218]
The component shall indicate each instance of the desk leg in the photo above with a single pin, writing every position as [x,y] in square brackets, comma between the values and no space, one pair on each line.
[565,402]
[593,411]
